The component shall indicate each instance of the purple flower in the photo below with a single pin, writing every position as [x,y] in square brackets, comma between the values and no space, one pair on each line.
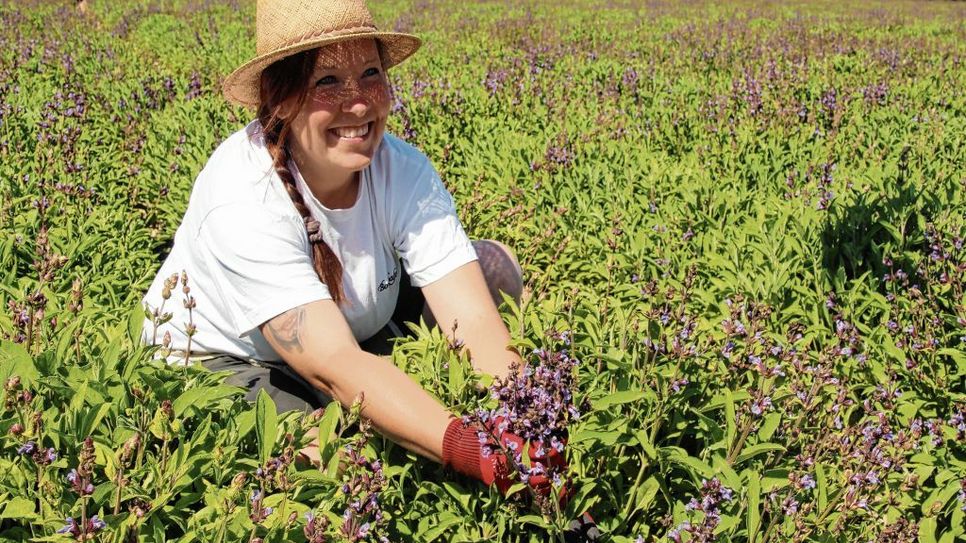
[760,406]
[27,448]
[675,534]
[95,524]
[50,456]
[829,101]
[70,528]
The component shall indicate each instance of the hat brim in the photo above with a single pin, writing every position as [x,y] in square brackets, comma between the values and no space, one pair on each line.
[242,85]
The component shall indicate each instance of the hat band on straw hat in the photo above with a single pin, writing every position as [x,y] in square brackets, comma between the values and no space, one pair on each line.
[322,32]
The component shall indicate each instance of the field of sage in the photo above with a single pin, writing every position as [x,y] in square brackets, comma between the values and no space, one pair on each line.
[742,225]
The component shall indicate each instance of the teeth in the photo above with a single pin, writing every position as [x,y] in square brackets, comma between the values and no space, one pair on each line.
[352,131]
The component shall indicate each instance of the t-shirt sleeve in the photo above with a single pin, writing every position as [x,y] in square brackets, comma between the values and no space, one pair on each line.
[260,264]
[427,233]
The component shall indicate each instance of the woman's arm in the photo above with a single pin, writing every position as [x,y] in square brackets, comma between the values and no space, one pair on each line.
[463,297]
[333,362]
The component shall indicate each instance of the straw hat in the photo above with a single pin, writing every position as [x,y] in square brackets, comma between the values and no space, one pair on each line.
[286,27]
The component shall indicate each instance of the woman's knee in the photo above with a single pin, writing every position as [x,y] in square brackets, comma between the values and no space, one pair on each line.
[500,268]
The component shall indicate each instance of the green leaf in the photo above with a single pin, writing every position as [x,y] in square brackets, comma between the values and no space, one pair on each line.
[91,418]
[939,497]
[755,450]
[329,422]
[444,521]
[958,522]
[266,422]
[18,508]
[78,398]
[514,488]
[821,486]
[456,376]
[202,396]
[332,467]
[768,426]
[532,519]
[327,431]
[646,493]
[731,425]
[135,321]
[697,467]
[727,474]
[245,421]
[604,438]
[458,494]
[584,499]
[644,439]
[619,397]
[16,361]
[774,479]
[927,530]
[754,502]
[958,356]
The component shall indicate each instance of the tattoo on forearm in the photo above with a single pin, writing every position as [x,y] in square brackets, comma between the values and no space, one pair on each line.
[286,330]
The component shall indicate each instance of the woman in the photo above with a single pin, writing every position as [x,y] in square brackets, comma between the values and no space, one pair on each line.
[296,228]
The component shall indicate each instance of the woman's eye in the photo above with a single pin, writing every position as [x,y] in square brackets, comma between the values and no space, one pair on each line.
[327,80]
[371,71]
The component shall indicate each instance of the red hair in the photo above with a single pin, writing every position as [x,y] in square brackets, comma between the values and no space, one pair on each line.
[283,89]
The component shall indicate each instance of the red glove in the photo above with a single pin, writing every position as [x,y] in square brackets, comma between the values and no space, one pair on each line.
[463,451]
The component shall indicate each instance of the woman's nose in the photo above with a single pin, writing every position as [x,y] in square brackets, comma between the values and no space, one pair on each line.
[355,100]
[357,106]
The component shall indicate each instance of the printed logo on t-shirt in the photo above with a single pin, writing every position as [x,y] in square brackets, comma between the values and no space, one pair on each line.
[388,281]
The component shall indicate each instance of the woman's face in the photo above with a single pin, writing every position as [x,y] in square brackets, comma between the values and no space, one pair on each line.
[344,116]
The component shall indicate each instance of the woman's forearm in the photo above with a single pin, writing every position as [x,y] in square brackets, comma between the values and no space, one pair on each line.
[397,406]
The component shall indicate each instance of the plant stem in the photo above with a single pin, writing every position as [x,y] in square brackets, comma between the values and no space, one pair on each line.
[117,498]
[83,525]
[740,442]
[164,453]
[771,523]
[625,514]
[40,492]
[224,525]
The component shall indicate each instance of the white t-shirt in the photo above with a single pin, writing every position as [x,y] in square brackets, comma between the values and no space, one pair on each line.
[248,258]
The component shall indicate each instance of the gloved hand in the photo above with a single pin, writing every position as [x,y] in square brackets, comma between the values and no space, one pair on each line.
[481,458]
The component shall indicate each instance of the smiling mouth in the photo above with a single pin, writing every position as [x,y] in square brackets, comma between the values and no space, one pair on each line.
[352,133]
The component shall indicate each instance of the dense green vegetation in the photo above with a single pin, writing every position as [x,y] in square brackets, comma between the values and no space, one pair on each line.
[748,219]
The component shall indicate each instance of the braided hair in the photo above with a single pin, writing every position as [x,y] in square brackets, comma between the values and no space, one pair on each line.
[283,90]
